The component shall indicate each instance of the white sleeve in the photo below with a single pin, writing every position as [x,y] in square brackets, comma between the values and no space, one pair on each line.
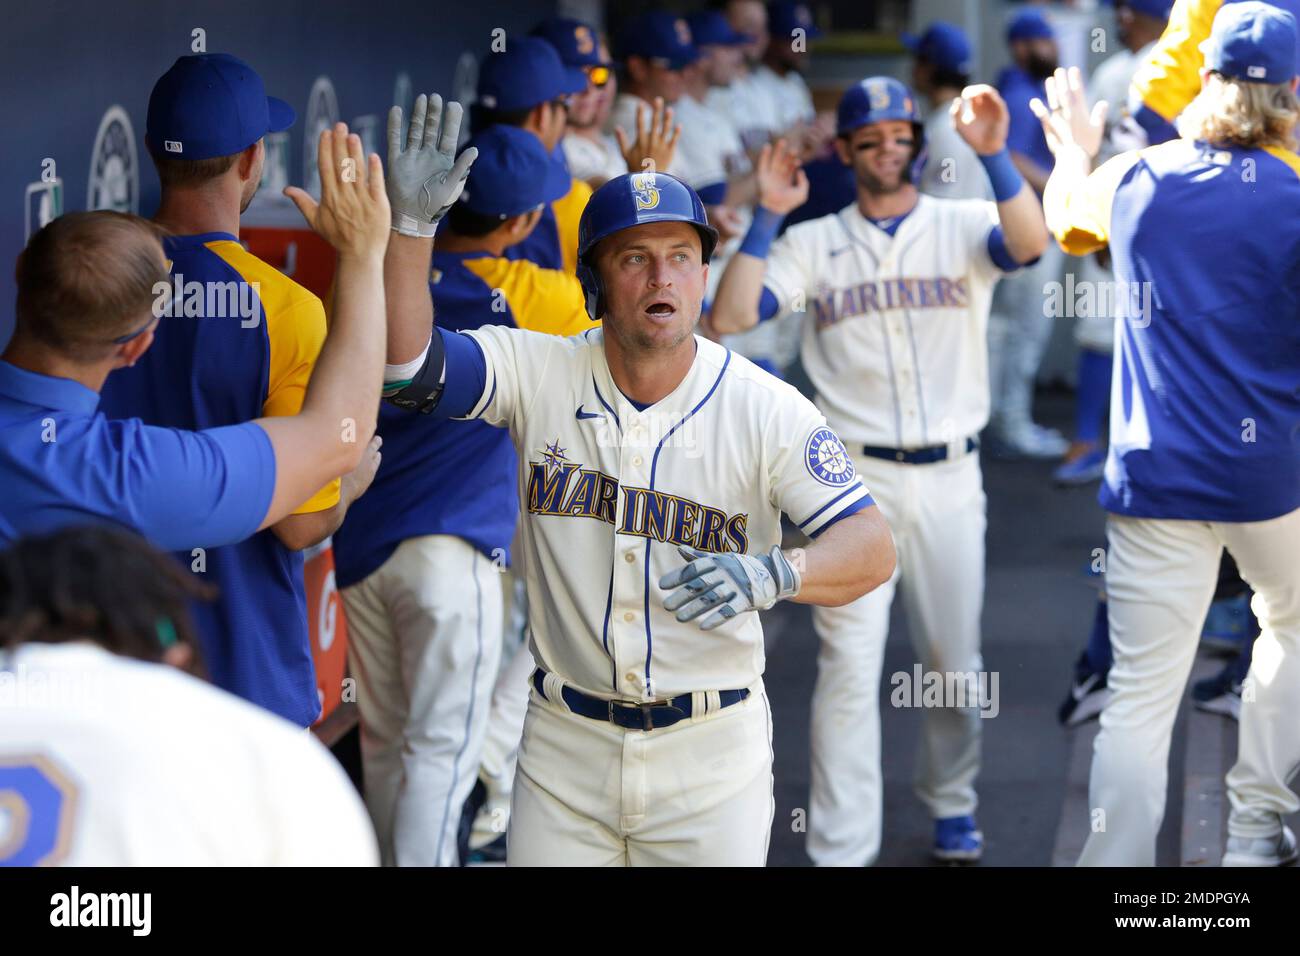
[811,473]
[516,362]
[790,274]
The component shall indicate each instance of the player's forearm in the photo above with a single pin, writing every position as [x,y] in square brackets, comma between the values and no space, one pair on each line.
[1072,167]
[735,304]
[1023,227]
[299,531]
[410,307]
[328,437]
[1021,217]
[851,558]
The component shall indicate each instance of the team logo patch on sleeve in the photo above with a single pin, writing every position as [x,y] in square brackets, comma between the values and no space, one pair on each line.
[827,459]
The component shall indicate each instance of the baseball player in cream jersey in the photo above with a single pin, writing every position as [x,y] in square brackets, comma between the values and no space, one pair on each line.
[896,290]
[654,469]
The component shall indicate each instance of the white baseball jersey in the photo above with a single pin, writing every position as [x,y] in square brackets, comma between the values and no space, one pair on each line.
[590,159]
[791,100]
[750,107]
[699,160]
[107,761]
[894,330]
[607,492]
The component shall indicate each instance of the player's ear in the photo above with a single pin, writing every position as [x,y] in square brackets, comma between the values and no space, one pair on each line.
[247,161]
[842,150]
[129,352]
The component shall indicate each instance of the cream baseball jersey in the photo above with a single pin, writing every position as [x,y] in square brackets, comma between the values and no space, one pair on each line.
[608,491]
[894,327]
[108,761]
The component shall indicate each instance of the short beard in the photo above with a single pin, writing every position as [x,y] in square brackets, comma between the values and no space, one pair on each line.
[1040,68]
[636,342]
[876,187]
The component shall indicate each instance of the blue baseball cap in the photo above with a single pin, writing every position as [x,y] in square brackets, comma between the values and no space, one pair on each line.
[575,41]
[1029,24]
[1252,41]
[711,28]
[1156,9]
[657,35]
[784,17]
[211,104]
[513,173]
[943,45]
[527,72]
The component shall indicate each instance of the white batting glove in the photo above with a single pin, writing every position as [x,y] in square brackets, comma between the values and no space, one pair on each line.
[425,179]
[727,585]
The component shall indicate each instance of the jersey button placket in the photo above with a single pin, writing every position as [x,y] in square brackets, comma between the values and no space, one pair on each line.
[628,624]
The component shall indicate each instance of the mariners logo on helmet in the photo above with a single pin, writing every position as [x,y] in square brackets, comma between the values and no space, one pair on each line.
[827,459]
[880,98]
[645,191]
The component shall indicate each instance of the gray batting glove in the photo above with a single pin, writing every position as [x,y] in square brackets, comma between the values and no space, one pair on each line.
[425,179]
[727,585]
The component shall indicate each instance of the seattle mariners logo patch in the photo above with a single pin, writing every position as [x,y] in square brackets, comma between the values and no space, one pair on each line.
[827,459]
[645,190]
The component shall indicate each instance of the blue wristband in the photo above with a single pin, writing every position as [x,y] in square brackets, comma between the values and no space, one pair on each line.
[1003,175]
[762,231]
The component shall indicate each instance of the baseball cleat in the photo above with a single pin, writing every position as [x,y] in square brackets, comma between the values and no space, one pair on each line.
[1087,698]
[957,840]
[1083,470]
[1277,850]
[1028,442]
[1221,694]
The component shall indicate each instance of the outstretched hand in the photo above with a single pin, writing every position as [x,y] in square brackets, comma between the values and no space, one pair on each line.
[1066,119]
[353,213]
[426,177]
[782,183]
[656,140]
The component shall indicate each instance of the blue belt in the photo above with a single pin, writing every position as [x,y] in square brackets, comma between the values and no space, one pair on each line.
[916,456]
[648,716]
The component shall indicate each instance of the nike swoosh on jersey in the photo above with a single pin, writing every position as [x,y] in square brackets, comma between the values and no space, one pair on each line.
[836,252]
[580,414]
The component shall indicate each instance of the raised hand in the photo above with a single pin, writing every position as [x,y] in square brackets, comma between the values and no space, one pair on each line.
[656,140]
[981,118]
[353,213]
[1065,117]
[425,178]
[782,183]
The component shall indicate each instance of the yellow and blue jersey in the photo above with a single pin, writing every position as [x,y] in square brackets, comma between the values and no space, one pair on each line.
[207,368]
[1171,76]
[456,477]
[1205,392]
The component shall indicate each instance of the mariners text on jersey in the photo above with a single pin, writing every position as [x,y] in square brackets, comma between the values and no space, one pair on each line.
[553,489]
[867,298]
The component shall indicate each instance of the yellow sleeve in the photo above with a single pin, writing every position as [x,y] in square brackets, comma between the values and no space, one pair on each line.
[295,329]
[1087,208]
[568,211]
[1170,77]
[541,300]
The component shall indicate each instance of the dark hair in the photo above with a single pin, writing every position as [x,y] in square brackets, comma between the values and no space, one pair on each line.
[87,278]
[480,117]
[99,584]
[190,172]
[940,77]
[464,221]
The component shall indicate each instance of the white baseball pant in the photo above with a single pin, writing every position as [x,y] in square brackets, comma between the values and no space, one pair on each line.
[937,514]
[698,793]
[425,641]
[1160,579]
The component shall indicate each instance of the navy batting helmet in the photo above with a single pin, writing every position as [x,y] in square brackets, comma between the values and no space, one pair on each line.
[632,200]
[879,98]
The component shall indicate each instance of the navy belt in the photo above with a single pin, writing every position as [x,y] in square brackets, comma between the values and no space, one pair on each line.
[649,716]
[916,456]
